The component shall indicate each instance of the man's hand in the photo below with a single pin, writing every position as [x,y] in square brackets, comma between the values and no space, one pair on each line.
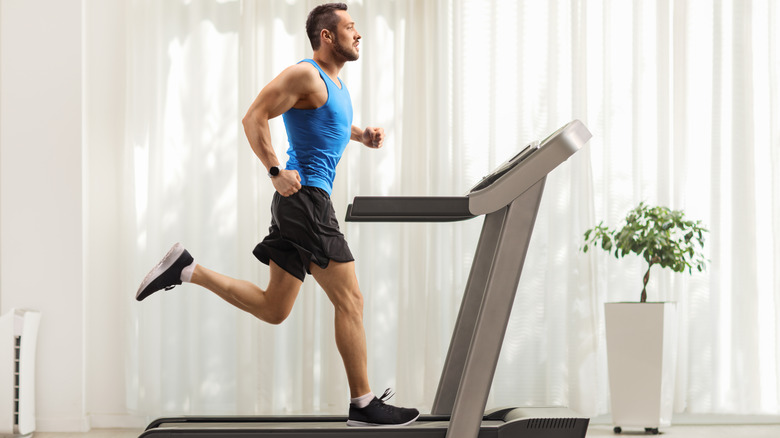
[373,137]
[287,183]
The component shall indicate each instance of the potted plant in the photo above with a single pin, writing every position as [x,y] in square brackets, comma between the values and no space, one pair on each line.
[641,347]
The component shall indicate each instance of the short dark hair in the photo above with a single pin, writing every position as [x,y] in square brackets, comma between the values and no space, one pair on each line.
[322,17]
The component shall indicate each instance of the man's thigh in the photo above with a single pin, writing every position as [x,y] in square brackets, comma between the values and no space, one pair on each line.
[338,280]
[283,287]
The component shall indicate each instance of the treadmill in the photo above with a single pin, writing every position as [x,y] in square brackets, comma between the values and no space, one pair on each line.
[509,197]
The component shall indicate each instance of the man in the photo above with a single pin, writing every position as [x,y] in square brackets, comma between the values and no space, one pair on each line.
[304,236]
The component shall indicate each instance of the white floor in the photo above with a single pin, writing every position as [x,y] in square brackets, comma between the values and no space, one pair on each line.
[683,431]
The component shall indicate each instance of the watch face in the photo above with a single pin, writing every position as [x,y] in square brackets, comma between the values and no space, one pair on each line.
[273,171]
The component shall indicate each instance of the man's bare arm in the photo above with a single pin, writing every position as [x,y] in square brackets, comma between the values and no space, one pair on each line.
[282,93]
[371,137]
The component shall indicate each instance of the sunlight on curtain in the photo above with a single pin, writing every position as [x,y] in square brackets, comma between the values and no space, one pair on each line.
[682,99]
[182,119]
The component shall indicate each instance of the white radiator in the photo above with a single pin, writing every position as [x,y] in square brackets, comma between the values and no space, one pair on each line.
[18,336]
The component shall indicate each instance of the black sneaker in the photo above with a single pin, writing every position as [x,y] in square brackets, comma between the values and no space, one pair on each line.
[377,413]
[167,274]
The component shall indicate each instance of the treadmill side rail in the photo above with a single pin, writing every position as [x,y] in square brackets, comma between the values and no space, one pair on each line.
[408,209]
[504,423]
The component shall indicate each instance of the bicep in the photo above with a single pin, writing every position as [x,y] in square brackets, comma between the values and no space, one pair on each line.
[279,95]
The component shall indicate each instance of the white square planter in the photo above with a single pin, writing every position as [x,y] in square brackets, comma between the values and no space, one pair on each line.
[641,355]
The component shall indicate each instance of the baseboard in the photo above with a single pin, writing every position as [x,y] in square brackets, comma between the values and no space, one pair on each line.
[73,424]
[118,421]
[684,419]
[721,419]
[94,421]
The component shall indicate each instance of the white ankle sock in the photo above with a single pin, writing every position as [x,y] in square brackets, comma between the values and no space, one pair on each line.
[363,401]
[186,273]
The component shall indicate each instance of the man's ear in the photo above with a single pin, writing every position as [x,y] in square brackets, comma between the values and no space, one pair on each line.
[326,35]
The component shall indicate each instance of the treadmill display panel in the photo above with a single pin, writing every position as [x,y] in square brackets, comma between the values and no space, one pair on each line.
[526,152]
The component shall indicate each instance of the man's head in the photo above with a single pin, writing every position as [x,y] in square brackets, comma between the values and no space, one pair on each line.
[331,24]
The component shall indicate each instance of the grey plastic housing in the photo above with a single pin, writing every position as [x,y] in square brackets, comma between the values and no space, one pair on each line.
[522,171]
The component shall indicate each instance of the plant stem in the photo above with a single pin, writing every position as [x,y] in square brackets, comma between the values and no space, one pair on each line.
[643,299]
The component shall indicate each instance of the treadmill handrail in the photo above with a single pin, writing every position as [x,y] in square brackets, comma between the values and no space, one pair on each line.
[409,209]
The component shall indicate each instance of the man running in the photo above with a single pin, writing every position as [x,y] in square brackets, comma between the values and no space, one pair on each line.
[304,236]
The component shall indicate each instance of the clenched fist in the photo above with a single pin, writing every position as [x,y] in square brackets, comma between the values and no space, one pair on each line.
[373,137]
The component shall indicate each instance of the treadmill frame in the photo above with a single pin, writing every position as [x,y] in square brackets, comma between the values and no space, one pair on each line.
[484,314]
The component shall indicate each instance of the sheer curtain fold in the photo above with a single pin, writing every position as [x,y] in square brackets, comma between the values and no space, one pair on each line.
[682,99]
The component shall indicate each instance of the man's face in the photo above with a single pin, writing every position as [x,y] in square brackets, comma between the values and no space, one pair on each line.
[346,38]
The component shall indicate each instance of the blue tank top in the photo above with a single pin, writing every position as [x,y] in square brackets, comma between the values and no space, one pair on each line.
[319,136]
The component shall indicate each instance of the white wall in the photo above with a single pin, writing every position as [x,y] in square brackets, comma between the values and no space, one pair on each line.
[106,292]
[41,235]
[61,118]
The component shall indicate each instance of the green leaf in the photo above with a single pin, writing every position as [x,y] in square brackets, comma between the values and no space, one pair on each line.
[657,234]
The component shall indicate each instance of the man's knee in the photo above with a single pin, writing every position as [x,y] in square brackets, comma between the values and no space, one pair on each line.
[349,301]
[340,284]
[278,303]
[275,316]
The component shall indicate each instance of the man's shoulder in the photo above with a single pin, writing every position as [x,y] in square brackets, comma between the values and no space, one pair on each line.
[303,71]
[302,76]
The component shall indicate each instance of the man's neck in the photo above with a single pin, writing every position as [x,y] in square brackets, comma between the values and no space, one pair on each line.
[328,64]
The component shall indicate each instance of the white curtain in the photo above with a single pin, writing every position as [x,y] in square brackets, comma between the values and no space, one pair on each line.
[681,96]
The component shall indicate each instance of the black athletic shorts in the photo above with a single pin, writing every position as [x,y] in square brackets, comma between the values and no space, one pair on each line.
[303,230]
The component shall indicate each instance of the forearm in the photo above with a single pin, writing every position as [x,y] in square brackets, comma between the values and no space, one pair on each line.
[259,135]
[356,134]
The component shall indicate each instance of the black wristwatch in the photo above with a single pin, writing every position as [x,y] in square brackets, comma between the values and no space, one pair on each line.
[273,171]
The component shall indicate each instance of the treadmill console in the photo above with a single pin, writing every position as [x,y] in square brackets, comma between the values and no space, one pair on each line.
[507,166]
[526,168]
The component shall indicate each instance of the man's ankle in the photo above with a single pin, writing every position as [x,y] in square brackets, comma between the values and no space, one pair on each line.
[363,401]
[186,273]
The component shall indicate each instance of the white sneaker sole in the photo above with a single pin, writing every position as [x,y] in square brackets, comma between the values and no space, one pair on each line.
[166,262]
[354,423]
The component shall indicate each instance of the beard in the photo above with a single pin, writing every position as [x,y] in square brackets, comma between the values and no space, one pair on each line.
[349,52]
